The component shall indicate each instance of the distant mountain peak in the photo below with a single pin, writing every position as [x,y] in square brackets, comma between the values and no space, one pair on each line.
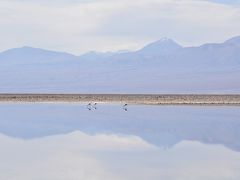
[162,46]
[31,55]
[31,51]
[234,40]
[165,40]
[26,47]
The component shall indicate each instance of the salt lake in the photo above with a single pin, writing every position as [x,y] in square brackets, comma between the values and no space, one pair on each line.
[109,141]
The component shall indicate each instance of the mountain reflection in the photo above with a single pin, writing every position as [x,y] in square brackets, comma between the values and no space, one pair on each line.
[163,126]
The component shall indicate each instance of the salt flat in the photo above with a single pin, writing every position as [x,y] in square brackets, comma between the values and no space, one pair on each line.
[154,99]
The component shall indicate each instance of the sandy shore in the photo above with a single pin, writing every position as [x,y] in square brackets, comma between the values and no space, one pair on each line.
[153,99]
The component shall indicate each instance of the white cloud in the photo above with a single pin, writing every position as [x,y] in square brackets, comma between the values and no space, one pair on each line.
[80,26]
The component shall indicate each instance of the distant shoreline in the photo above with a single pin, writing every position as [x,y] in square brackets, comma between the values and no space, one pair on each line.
[145,99]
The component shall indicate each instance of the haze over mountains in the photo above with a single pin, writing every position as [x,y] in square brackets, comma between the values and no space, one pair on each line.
[160,67]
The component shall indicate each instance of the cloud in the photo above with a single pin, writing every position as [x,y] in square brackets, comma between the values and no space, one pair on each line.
[190,22]
[78,26]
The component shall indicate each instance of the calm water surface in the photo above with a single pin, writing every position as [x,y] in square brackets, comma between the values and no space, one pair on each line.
[70,142]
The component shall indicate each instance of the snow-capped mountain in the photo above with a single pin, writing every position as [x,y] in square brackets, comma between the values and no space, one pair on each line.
[162,47]
[163,66]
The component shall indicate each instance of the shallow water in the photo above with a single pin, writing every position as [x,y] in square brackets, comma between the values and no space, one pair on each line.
[68,141]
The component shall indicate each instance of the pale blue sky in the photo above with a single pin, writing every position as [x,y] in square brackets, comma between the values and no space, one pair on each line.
[77,26]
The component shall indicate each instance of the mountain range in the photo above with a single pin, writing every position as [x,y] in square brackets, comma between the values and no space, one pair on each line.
[163,66]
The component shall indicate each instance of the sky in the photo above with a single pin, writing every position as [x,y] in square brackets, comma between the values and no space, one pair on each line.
[78,26]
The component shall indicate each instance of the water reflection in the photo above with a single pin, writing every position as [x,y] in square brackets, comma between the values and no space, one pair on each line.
[160,126]
[91,106]
[81,156]
[67,141]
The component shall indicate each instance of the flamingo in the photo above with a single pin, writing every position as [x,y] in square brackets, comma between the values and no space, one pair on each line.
[89,106]
[95,106]
[125,107]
